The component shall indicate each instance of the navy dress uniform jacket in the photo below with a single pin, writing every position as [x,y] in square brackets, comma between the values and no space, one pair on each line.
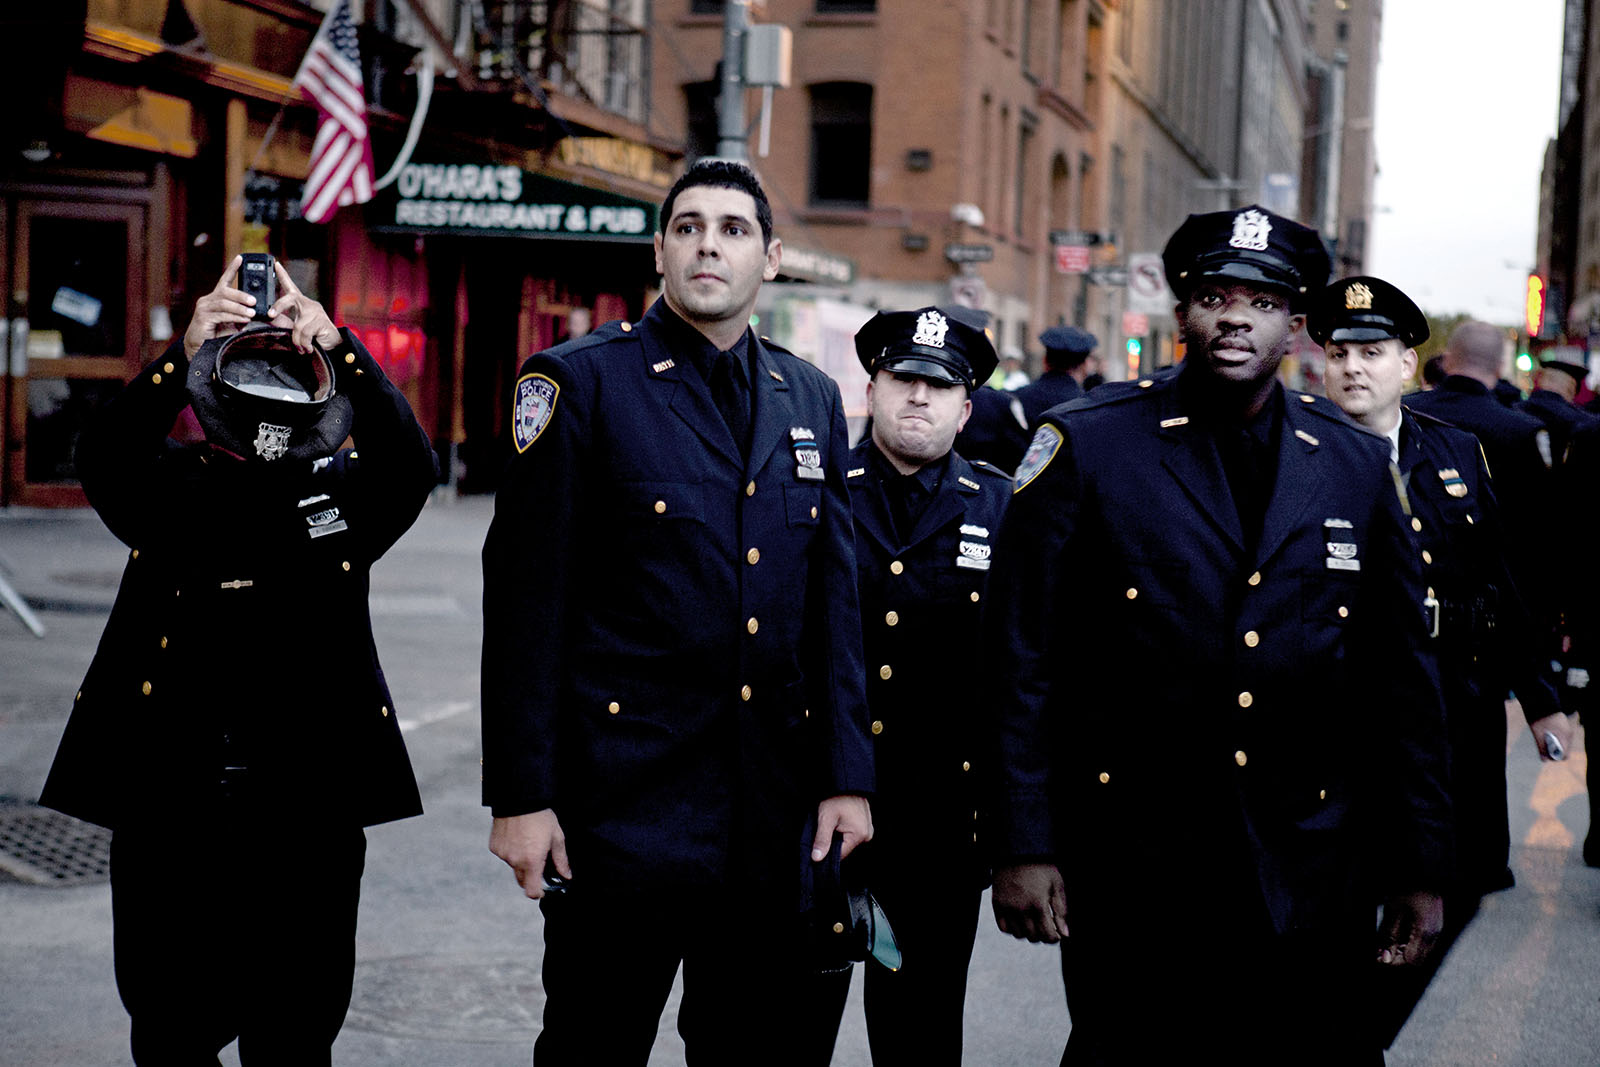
[1052,388]
[1272,721]
[243,610]
[921,602]
[672,647]
[997,431]
[1560,416]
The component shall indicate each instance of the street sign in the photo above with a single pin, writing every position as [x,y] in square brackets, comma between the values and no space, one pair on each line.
[1108,275]
[969,253]
[968,291]
[1072,259]
[1135,324]
[1147,285]
[1075,237]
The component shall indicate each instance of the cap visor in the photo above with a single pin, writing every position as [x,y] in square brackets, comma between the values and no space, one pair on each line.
[912,367]
[1359,334]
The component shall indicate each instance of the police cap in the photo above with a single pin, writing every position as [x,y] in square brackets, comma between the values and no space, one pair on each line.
[259,397]
[939,344]
[1554,361]
[1251,245]
[1069,339]
[1361,309]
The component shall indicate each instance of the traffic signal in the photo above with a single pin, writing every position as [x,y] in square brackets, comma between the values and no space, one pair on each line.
[1135,346]
[1535,307]
[1524,362]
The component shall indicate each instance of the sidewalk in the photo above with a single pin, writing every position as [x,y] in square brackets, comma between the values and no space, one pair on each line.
[448,950]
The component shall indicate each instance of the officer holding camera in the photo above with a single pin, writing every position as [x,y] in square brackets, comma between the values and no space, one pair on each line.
[234,730]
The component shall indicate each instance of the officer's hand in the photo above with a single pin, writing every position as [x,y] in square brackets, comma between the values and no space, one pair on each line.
[310,321]
[526,843]
[1557,723]
[1411,924]
[851,816]
[1030,901]
[222,311]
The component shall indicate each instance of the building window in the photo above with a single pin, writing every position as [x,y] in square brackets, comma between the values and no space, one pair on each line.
[700,107]
[846,7]
[1022,208]
[841,144]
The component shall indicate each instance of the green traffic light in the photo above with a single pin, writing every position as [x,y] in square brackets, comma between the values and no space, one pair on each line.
[1524,362]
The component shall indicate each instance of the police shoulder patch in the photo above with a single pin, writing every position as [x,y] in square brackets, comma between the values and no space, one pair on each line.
[1041,450]
[532,406]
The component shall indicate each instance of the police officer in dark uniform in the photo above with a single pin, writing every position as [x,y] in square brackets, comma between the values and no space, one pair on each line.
[997,431]
[1209,817]
[1486,642]
[1577,659]
[234,730]
[1068,360]
[1550,402]
[925,522]
[672,678]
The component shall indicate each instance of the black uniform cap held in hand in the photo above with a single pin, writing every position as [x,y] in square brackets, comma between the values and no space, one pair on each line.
[1251,245]
[1363,308]
[940,344]
[258,397]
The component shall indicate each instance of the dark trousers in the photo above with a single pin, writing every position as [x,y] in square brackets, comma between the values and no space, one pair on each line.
[914,1015]
[1477,729]
[232,926]
[1215,989]
[609,965]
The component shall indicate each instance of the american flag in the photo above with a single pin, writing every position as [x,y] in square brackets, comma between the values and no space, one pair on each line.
[341,156]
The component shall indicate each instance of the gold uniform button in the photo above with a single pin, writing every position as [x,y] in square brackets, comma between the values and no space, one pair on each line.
[1104,777]
[1254,579]
[1132,594]
[136,553]
[345,564]
[627,327]
[1469,520]
[754,556]
[1344,612]
[885,672]
[661,507]
[613,707]
[79,696]
[1427,557]
[750,490]
[1245,699]
[349,357]
[354,454]
[974,596]
[892,618]
[813,513]
[1251,639]
[156,377]
[752,625]
[1416,524]
[145,689]
[744,693]
[838,928]
[167,367]
[1240,758]
[896,567]
[384,711]
[965,765]
[1322,794]
[877,726]
[1146,383]
[163,642]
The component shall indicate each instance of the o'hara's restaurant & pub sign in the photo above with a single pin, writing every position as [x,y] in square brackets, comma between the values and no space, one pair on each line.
[487,200]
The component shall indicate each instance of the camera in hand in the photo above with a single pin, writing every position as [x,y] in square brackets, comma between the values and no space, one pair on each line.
[257,277]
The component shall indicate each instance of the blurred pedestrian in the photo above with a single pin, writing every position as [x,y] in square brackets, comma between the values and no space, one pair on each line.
[234,730]
[1069,357]
[672,678]
[1486,643]
[1209,815]
[1555,385]
[925,520]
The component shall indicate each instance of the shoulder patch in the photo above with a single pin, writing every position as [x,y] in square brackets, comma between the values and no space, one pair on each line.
[532,406]
[1041,450]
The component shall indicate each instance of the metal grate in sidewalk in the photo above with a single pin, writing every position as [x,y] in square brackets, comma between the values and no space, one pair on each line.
[44,847]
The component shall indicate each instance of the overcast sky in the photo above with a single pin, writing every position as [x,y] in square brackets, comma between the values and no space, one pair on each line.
[1467,98]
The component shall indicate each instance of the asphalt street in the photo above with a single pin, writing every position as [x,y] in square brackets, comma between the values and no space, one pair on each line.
[448,949]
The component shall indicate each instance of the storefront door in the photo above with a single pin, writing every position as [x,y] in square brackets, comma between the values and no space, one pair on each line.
[76,309]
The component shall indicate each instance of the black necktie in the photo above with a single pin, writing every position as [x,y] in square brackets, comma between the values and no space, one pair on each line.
[727,390]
